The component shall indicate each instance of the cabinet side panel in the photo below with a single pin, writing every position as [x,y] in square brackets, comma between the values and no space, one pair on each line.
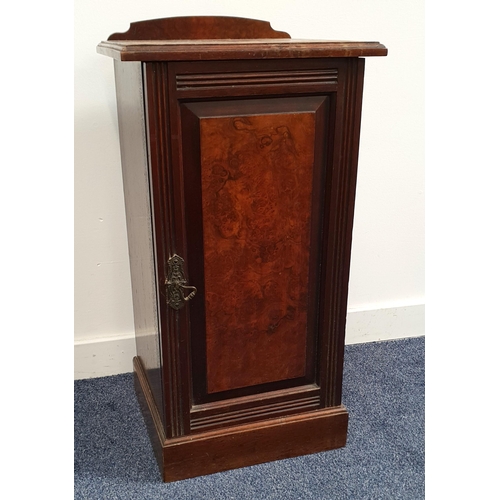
[136,185]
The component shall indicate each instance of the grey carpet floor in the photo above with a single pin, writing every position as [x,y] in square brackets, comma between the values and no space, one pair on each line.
[384,457]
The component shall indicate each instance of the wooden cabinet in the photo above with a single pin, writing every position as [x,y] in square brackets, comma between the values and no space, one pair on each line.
[239,151]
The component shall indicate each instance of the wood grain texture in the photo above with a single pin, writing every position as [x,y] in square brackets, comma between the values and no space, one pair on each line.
[208,80]
[216,346]
[250,444]
[252,154]
[137,194]
[222,449]
[236,264]
[210,416]
[168,217]
[234,50]
[199,27]
[256,191]
[150,410]
[338,225]
[257,78]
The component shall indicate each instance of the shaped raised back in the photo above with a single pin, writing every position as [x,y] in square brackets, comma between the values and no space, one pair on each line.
[199,28]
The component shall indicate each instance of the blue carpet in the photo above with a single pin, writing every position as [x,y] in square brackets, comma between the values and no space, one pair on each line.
[383,459]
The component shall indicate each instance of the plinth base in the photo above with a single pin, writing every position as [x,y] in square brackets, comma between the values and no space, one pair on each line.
[240,445]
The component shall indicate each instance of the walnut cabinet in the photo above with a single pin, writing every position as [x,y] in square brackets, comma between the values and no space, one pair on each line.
[239,150]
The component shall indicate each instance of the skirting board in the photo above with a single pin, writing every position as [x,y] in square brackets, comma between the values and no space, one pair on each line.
[385,324]
[104,356]
[113,355]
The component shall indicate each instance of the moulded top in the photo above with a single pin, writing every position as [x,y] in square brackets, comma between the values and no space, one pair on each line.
[217,37]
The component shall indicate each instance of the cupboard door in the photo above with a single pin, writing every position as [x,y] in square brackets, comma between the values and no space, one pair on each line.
[254,181]
[254,168]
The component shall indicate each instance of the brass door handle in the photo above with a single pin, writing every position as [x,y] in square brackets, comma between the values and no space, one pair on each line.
[176,283]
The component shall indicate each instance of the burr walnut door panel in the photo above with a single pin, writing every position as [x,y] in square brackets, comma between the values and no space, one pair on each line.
[251,158]
[253,167]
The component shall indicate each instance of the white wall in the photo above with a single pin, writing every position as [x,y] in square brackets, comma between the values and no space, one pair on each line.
[387,273]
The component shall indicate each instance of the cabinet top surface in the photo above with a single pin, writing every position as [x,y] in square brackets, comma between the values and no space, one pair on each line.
[176,50]
[216,37]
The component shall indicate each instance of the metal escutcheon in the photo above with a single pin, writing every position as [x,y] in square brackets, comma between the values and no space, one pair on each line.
[177,284]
